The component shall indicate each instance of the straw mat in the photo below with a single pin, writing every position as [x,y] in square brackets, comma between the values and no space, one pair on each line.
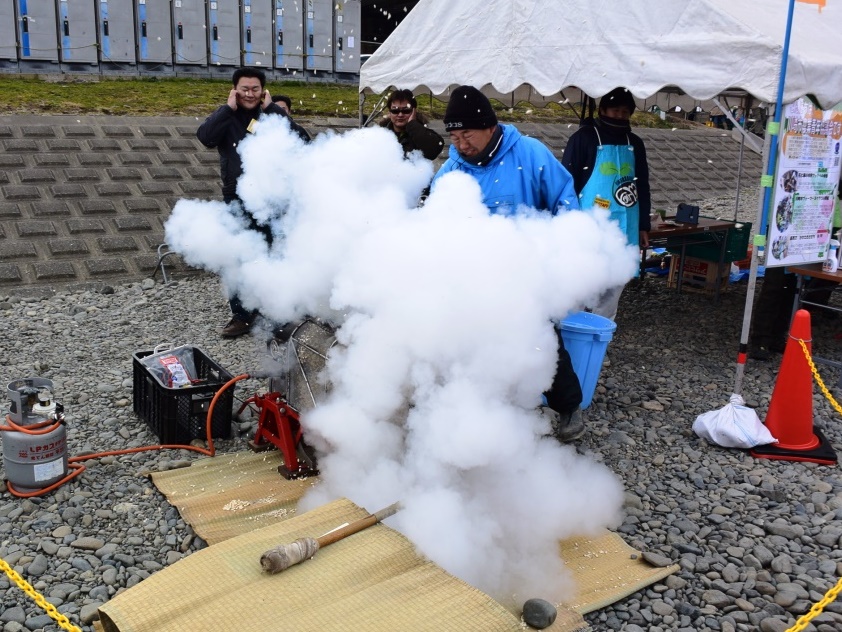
[229,494]
[606,570]
[241,505]
[373,581]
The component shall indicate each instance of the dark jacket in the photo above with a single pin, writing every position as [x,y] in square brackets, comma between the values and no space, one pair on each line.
[417,135]
[225,129]
[580,156]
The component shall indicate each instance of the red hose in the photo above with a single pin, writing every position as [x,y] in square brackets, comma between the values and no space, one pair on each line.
[73,462]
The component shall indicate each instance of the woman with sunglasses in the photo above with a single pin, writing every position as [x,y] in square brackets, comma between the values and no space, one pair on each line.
[410,125]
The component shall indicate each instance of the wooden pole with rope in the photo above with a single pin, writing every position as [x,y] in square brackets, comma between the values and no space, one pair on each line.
[282,557]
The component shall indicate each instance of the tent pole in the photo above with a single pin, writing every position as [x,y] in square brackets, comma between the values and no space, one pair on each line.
[734,122]
[739,174]
[752,284]
[746,101]
[770,151]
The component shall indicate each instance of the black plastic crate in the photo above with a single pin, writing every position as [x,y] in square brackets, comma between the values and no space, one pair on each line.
[179,415]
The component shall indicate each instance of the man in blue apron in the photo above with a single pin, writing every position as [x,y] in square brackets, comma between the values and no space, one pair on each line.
[609,169]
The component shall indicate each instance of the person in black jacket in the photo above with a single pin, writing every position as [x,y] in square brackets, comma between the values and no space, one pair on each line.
[410,125]
[609,169]
[285,103]
[248,101]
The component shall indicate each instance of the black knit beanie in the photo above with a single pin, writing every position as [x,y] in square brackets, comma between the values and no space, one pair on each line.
[618,98]
[468,108]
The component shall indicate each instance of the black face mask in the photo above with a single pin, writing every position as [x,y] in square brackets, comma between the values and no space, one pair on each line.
[621,125]
[487,154]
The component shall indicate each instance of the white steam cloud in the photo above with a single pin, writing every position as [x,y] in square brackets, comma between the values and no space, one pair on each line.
[444,318]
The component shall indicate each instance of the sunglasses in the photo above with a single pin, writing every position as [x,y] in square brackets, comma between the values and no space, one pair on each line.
[405,110]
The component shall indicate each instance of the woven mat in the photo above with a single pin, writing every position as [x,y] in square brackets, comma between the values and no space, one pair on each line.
[241,505]
[230,494]
[371,581]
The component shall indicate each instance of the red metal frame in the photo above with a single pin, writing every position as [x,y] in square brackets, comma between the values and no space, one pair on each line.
[279,425]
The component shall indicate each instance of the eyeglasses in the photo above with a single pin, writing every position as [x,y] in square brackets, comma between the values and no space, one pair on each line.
[404,110]
[254,90]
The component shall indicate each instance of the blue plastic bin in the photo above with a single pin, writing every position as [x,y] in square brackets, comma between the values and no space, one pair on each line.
[586,337]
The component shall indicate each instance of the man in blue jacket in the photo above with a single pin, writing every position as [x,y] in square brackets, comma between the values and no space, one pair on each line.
[515,170]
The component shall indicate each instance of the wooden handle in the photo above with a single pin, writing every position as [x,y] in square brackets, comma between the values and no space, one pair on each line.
[282,557]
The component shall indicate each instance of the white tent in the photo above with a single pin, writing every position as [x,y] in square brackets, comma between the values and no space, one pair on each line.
[533,49]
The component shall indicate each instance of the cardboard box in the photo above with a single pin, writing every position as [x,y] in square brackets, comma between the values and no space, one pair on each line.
[699,275]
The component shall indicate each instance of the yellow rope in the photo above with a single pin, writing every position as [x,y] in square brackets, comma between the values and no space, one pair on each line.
[830,595]
[49,608]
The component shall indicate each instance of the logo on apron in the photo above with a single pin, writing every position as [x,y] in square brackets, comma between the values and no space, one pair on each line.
[625,192]
[625,189]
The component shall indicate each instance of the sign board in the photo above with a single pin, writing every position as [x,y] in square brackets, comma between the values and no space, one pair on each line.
[806,184]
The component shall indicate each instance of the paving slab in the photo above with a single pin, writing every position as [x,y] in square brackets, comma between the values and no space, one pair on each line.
[83,199]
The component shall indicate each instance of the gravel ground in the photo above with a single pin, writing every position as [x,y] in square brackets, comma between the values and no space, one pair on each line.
[756,540]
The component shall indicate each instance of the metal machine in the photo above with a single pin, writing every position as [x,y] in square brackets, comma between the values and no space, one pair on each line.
[301,351]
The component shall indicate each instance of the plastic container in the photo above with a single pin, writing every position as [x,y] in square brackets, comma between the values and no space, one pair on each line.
[586,337]
[179,415]
[831,263]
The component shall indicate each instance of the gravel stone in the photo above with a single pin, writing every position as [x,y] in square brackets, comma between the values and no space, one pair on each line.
[655,559]
[756,541]
[14,614]
[88,614]
[773,625]
[88,544]
[38,566]
[716,598]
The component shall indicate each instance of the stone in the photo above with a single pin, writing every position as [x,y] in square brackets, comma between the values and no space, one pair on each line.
[38,566]
[90,612]
[539,613]
[656,559]
[661,608]
[14,614]
[770,624]
[87,543]
[716,598]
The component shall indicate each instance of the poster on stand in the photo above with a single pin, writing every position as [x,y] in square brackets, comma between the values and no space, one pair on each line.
[806,184]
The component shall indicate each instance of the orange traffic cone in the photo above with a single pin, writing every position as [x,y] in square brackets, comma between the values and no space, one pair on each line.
[790,416]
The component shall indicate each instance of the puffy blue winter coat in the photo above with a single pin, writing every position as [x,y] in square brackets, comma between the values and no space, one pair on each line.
[523,171]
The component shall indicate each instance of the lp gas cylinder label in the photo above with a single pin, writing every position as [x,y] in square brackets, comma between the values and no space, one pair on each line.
[47,471]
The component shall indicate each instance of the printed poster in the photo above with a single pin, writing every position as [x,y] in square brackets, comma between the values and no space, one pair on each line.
[806,181]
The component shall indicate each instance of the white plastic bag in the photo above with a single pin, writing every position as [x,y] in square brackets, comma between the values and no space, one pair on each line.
[733,426]
[172,367]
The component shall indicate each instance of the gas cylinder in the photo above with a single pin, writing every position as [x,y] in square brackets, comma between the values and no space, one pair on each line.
[36,456]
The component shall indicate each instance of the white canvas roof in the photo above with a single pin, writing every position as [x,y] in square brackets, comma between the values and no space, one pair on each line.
[533,49]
